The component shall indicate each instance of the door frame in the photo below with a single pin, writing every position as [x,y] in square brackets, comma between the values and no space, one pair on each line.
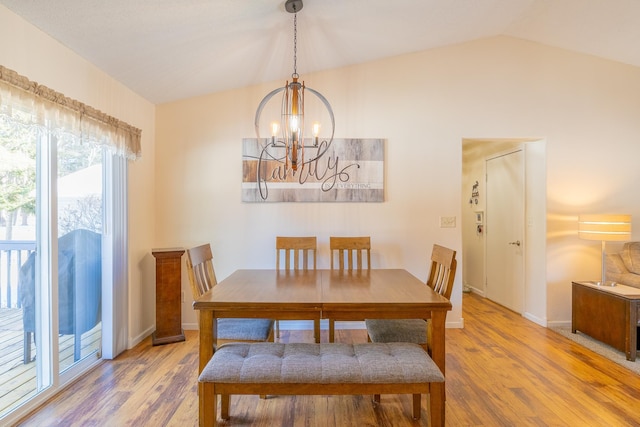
[474,152]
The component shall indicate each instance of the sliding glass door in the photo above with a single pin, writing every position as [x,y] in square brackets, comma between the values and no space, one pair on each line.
[63,240]
[19,378]
[80,210]
[52,262]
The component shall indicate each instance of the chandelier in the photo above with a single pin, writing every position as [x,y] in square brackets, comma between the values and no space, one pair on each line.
[289,133]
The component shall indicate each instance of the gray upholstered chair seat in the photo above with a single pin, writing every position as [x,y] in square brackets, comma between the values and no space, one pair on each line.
[441,277]
[244,329]
[397,330]
[325,363]
[202,278]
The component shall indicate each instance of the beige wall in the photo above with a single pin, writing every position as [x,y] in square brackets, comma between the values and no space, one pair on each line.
[33,54]
[424,104]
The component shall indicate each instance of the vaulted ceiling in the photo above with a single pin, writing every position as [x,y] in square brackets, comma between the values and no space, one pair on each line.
[167,50]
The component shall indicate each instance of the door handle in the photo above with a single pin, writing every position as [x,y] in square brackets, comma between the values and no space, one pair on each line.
[517,243]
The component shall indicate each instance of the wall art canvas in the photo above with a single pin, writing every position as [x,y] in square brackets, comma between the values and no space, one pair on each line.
[345,170]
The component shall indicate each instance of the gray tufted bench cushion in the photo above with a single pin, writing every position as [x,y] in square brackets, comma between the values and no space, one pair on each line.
[326,368]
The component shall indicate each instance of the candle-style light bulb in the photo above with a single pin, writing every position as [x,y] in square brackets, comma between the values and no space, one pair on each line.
[274,132]
[316,131]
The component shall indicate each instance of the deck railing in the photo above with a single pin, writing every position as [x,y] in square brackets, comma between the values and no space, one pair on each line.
[13,253]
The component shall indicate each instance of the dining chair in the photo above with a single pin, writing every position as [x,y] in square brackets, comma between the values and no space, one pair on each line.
[294,247]
[418,331]
[353,250]
[299,254]
[346,248]
[202,278]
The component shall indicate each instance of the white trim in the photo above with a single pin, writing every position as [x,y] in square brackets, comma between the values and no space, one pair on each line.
[115,300]
[134,341]
[559,324]
[535,319]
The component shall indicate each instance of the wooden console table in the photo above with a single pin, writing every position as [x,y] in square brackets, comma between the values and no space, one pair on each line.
[168,292]
[607,313]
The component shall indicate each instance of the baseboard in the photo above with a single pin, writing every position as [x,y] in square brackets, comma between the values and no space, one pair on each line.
[559,324]
[134,341]
[307,325]
[535,319]
[477,291]
[190,326]
[459,324]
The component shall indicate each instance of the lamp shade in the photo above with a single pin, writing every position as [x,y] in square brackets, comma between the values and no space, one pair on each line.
[604,227]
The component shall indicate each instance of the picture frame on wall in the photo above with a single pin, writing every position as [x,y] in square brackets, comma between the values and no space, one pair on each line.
[343,170]
[479,217]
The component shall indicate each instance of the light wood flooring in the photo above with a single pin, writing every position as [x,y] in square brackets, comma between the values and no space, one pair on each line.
[502,370]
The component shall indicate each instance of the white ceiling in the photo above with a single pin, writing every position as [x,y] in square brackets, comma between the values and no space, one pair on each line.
[167,50]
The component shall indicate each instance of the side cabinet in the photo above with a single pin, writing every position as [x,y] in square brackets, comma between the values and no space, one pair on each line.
[608,314]
[168,292]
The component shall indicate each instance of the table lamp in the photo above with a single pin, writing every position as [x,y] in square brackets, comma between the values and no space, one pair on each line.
[605,228]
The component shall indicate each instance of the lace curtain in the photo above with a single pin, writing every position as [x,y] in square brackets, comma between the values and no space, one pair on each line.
[40,109]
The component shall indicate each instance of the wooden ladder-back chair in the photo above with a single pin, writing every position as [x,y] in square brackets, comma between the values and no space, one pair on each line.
[441,277]
[295,247]
[202,278]
[346,248]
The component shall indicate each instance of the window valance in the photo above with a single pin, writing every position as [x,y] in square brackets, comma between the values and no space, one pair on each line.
[31,105]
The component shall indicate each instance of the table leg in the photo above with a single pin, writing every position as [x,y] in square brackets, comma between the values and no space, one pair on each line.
[438,335]
[437,404]
[207,337]
[438,355]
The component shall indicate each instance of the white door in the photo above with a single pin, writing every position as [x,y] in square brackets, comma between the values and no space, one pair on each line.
[504,230]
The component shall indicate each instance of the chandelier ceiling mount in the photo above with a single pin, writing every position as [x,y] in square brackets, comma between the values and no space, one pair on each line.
[288,132]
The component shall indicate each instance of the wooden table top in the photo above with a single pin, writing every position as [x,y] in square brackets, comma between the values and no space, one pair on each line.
[619,289]
[322,289]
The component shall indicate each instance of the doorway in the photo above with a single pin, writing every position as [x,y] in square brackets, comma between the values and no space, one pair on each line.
[475,154]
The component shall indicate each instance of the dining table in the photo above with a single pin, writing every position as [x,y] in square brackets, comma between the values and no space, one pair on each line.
[323,294]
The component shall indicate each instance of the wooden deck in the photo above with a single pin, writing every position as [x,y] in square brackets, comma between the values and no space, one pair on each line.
[17,379]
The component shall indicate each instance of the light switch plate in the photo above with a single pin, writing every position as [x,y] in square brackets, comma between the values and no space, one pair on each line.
[447,222]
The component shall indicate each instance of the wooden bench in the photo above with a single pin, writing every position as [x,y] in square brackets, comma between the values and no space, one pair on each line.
[319,369]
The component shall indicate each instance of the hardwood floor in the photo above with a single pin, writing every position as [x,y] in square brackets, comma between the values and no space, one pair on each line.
[502,370]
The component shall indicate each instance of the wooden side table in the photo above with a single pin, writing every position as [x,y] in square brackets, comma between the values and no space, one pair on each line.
[168,291]
[607,313]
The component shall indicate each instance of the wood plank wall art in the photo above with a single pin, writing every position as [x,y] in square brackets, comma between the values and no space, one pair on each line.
[346,170]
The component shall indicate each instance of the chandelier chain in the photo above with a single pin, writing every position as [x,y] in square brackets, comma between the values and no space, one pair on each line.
[295,46]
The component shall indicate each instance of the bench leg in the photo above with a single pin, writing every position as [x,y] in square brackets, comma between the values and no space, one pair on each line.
[417,399]
[316,330]
[376,398]
[225,401]
[436,404]
[207,405]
